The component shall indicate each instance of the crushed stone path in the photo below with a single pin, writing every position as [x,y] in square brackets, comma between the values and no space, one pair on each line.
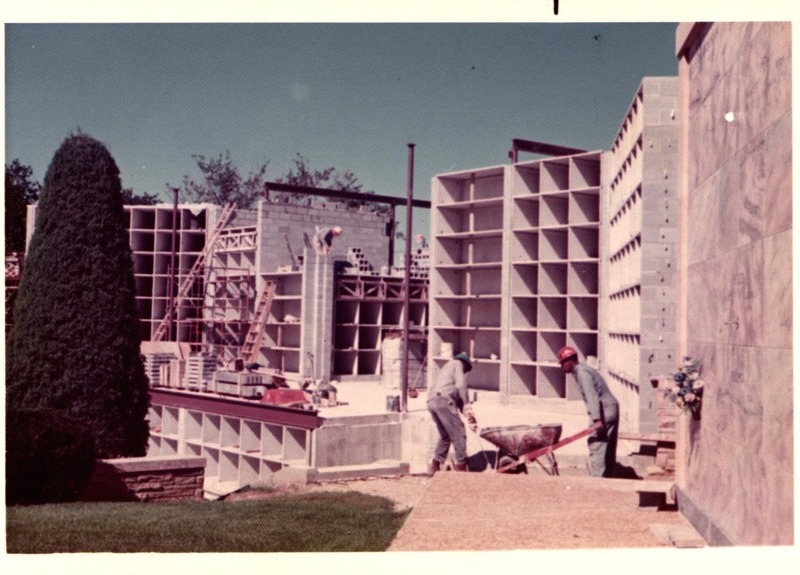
[489,511]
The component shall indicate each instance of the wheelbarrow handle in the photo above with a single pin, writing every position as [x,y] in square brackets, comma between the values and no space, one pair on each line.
[531,455]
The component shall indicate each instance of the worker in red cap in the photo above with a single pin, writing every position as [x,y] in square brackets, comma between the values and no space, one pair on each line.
[447,398]
[602,407]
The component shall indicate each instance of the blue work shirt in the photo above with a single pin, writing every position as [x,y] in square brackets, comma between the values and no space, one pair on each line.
[600,402]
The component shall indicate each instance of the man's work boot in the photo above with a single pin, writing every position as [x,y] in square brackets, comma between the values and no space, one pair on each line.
[434,467]
[460,467]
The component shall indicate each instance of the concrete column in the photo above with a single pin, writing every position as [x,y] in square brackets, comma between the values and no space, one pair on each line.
[316,354]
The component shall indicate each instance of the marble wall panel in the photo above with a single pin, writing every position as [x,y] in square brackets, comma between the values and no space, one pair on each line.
[704,138]
[769,58]
[778,175]
[739,467]
[704,227]
[750,201]
[777,291]
[702,295]
[749,294]
[778,440]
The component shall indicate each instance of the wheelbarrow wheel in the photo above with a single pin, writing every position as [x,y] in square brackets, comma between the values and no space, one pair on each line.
[508,460]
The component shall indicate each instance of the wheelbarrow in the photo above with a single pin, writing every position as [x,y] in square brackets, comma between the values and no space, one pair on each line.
[519,444]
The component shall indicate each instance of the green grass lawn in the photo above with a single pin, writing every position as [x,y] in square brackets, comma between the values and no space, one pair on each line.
[307,523]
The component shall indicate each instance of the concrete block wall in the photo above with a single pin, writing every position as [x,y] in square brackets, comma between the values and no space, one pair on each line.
[735,464]
[360,228]
[640,218]
[357,441]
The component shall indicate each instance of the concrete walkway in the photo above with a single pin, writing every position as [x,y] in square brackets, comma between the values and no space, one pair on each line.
[491,511]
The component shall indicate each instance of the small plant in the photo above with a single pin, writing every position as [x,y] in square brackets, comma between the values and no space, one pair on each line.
[687,392]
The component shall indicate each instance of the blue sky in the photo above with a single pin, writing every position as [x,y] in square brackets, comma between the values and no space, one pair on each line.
[349,96]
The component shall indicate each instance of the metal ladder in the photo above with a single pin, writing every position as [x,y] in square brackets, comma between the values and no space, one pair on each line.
[197,268]
[252,340]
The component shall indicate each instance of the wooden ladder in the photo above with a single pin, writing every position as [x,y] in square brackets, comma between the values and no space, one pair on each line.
[197,268]
[252,340]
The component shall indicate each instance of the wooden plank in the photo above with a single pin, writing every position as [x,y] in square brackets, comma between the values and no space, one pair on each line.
[649,437]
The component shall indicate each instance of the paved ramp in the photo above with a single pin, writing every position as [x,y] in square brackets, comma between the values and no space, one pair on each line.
[490,511]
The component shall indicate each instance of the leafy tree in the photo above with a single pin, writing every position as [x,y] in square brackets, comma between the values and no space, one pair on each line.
[21,190]
[222,183]
[131,199]
[302,175]
[74,345]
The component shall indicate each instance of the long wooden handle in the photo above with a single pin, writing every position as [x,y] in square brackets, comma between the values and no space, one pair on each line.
[531,455]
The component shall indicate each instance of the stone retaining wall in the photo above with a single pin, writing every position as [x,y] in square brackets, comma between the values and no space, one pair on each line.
[157,478]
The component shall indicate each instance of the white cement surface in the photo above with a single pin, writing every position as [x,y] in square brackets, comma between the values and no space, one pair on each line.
[359,398]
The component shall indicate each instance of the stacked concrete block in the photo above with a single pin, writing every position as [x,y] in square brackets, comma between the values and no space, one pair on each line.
[153,363]
[359,263]
[318,317]
[238,383]
[200,370]
[640,214]
[420,264]
[172,374]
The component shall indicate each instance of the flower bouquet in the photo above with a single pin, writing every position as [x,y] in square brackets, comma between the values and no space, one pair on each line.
[687,392]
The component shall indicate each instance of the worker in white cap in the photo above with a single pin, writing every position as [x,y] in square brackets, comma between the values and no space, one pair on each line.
[447,398]
[323,240]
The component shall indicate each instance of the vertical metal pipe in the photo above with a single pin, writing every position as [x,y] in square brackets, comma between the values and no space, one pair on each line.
[171,287]
[392,224]
[407,281]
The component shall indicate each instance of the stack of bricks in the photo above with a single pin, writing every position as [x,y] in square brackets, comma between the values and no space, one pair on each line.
[153,363]
[199,371]
[165,478]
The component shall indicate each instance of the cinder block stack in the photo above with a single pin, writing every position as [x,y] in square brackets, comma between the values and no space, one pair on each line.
[199,371]
[359,261]
[152,367]
[420,264]
[171,374]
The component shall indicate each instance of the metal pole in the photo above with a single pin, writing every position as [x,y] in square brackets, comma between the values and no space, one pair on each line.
[407,281]
[392,224]
[171,287]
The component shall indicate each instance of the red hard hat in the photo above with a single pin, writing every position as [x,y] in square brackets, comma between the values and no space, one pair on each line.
[565,353]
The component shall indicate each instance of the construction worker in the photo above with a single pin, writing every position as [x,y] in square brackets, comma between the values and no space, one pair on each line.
[323,240]
[602,407]
[448,397]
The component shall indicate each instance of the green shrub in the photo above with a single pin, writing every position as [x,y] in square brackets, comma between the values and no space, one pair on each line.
[74,344]
[49,456]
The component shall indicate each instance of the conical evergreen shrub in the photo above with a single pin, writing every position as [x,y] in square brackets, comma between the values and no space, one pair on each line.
[74,345]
